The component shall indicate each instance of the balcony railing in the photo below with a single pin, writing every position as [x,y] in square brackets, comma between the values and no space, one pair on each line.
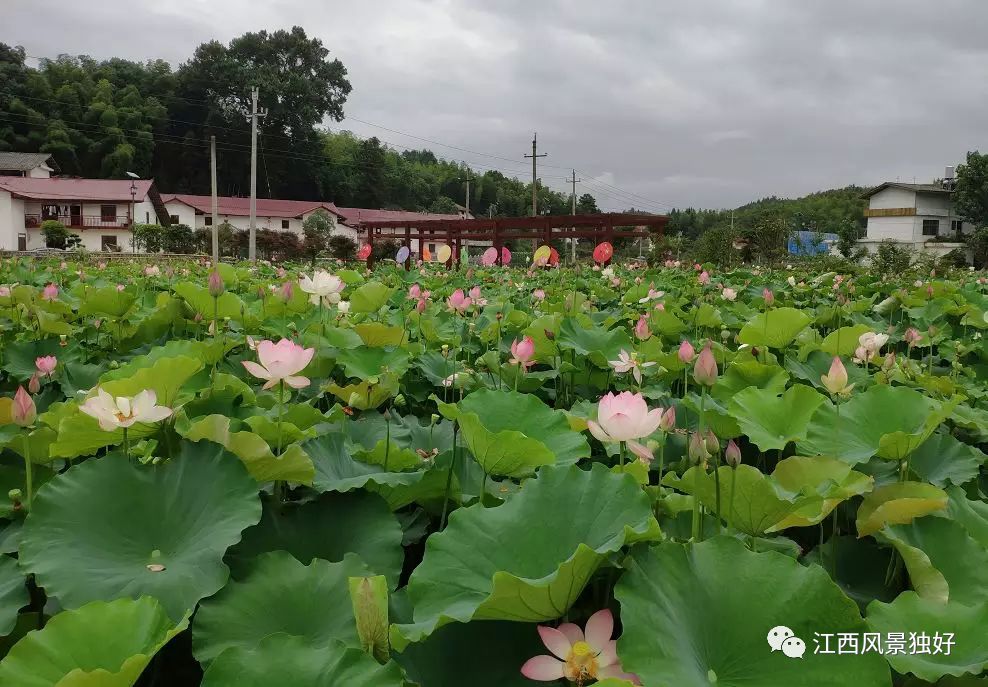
[80,221]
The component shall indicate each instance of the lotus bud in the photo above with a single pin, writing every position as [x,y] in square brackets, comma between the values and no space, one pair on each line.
[23,411]
[725,334]
[668,421]
[686,352]
[889,362]
[697,450]
[286,292]
[641,329]
[216,285]
[705,369]
[768,296]
[836,380]
[34,384]
[433,419]
[732,454]
[712,442]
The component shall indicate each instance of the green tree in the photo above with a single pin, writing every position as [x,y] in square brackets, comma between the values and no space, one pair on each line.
[444,205]
[55,233]
[148,238]
[316,231]
[971,194]
[587,205]
[342,247]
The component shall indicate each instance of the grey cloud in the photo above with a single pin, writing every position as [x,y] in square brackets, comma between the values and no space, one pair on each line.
[709,103]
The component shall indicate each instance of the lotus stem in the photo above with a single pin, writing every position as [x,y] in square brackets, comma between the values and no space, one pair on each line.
[126,444]
[621,455]
[449,479]
[730,500]
[28,473]
[387,439]
[700,467]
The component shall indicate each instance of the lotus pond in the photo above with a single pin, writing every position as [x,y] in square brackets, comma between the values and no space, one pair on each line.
[667,476]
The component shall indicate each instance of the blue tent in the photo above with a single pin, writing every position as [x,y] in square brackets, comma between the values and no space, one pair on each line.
[810,243]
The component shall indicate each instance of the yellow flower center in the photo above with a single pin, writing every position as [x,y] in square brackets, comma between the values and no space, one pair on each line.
[581,663]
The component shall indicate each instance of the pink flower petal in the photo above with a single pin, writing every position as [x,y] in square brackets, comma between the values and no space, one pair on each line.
[555,641]
[599,629]
[641,451]
[608,654]
[598,431]
[572,631]
[297,382]
[543,668]
[617,672]
[256,369]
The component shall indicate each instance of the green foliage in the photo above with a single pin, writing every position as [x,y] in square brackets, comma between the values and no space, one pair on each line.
[148,238]
[971,191]
[317,229]
[57,236]
[891,258]
[342,247]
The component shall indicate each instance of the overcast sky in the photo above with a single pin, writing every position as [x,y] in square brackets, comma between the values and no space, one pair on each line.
[710,103]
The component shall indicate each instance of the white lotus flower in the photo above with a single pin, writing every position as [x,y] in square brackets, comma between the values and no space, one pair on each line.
[323,286]
[124,411]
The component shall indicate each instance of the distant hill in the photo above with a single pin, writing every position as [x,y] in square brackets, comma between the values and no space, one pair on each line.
[824,211]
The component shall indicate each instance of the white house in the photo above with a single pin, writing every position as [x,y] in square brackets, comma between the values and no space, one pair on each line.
[919,215]
[34,165]
[276,215]
[100,211]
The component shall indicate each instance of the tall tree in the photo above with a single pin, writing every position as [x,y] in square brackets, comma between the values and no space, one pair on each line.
[971,196]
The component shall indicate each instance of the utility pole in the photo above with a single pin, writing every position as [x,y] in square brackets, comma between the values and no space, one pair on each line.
[572,241]
[254,116]
[466,199]
[216,202]
[535,178]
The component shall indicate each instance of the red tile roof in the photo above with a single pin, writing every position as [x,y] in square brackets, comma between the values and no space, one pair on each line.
[354,216]
[117,190]
[240,207]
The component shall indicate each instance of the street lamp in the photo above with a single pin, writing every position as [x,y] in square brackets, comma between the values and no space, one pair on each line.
[133,197]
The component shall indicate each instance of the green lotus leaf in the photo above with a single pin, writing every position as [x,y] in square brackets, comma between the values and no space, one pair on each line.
[198,298]
[596,343]
[972,515]
[102,644]
[293,465]
[209,352]
[898,503]
[943,561]
[741,375]
[885,420]
[19,356]
[13,593]
[666,323]
[52,323]
[715,415]
[943,460]
[280,595]
[858,566]
[327,528]
[828,477]
[506,569]
[282,659]
[107,302]
[965,625]
[844,341]
[104,528]
[370,297]
[449,657]
[367,394]
[510,433]
[336,470]
[772,421]
[35,444]
[270,430]
[758,505]
[699,615]
[377,334]
[776,328]
[365,362]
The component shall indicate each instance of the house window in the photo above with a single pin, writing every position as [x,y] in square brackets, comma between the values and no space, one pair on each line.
[931,227]
[147,218]
[209,220]
[108,243]
[173,218]
[108,213]
[957,225]
[432,248]
[285,224]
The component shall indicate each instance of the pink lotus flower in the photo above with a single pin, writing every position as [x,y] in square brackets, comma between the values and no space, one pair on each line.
[281,362]
[578,656]
[705,369]
[836,380]
[458,302]
[476,298]
[46,364]
[686,352]
[729,294]
[152,271]
[732,454]
[414,292]
[538,295]
[101,265]
[522,352]
[113,413]
[34,384]
[23,411]
[668,422]
[641,328]
[704,278]
[4,292]
[49,293]
[420,306]
[652,295]
[120,287]
[912,336]
[626,417]
[215,284]
[768,296]
[629,363]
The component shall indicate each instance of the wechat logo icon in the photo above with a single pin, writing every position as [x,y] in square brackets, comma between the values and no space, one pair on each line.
[781,638]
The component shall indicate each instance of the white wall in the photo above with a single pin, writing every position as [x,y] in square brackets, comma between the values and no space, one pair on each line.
[892,198]
[8,222]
